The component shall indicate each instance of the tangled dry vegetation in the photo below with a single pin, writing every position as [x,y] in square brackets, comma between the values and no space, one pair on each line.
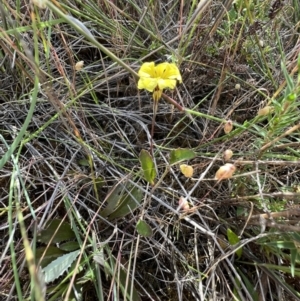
[78,218]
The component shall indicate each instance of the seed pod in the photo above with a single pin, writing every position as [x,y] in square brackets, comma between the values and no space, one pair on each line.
[183,204]
[227,155]
[40,3]
[79,65]
[237,86]
[228,126]
[264,111]
[187,170]
[225,172]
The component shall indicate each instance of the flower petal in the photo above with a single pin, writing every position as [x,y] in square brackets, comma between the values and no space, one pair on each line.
[160,69]
[168,71]
[147,70]
[147,83]
[160,77]
[172,72]
[166,83]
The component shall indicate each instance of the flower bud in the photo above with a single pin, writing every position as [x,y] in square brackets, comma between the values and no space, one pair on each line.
[225,172]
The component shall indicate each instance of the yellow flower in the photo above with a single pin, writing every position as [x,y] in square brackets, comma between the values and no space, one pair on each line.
[156,78]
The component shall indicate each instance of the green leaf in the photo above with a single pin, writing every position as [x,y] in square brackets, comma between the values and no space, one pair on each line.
[69,246]
[237,288]
[181,154]
[99,257]
[241,211]
[294,253]
[83,162]
[250,287]
[56,231]
[123,199]
[147,166]
[144,229]
[58,266]
[288,78]
[45,255]
[112,199]
[295,235]
[233,240]
[281,244]
[128,203]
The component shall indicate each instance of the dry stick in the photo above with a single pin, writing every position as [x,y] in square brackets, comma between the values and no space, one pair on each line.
[155,104]
[145,9]
[217,94]
[218,19]
[219,90]
[200,9]
[294,211]
[272,224]
[271,162]
[49,92]
[288,132]
[181,16]
[286,145]
[52,97]
[247,221]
